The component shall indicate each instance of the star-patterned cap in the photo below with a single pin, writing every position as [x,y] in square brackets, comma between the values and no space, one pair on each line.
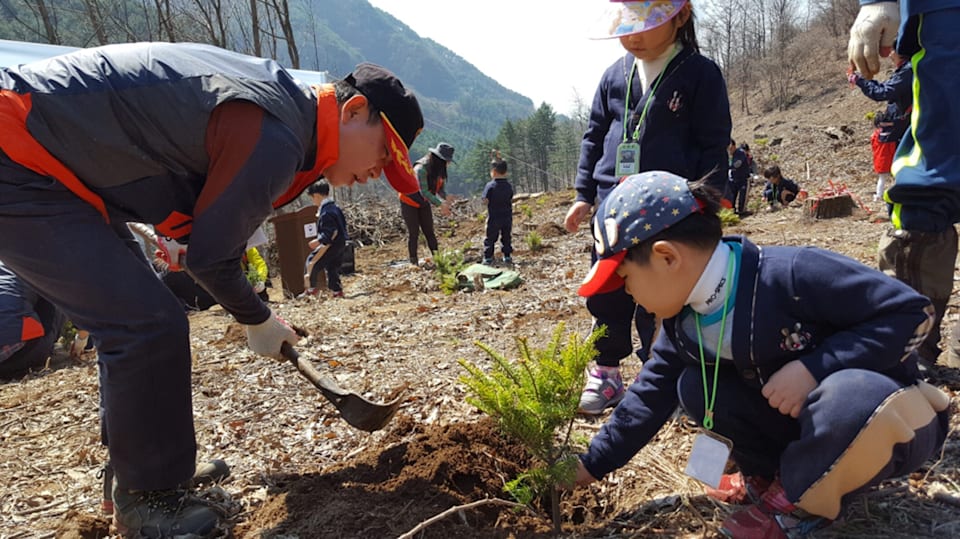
[642,206]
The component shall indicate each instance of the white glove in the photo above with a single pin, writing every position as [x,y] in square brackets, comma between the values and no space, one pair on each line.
[259,286]
[172,253]
[872,35]
[267,337]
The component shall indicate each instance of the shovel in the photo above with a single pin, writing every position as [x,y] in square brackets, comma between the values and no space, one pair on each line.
[354,409]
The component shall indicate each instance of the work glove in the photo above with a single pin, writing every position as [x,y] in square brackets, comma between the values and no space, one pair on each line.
[171,253]
[268,336]
[872,35]
[853,77]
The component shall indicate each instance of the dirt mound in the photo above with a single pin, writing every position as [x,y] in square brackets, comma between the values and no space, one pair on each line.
[418,472]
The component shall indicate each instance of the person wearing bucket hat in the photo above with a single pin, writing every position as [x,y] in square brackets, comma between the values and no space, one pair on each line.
[202,143]
[661,106]
[416,207]
[762,347]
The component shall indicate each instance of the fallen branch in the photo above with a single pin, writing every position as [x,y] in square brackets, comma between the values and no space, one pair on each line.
[456,509]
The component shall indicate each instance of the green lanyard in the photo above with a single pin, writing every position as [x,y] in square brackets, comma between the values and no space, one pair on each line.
[646,105]
[708,399]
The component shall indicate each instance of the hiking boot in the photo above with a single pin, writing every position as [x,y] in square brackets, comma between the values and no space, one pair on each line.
[775,517]
[487,261]
[736,488]
[604,389]
[164,513]
[207,473]
[338,294]
[507,260]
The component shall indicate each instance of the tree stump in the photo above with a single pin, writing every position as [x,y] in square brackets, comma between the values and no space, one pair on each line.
[829,207]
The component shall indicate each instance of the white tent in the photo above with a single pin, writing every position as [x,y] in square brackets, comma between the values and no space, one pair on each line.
[20,52]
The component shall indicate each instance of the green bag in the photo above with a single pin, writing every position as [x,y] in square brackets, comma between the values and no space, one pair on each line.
[477,275]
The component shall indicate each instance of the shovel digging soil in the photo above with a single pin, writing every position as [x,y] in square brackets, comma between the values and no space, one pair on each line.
[354,409]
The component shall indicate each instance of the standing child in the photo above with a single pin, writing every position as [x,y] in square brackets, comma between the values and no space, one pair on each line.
[739,178]
[662,106]
[763,348]
[498,197]
[892,123]
[328,246]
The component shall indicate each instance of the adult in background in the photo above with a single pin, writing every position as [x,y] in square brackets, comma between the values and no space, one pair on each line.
[920,247]
[202,143]
[891,124]
[415,208]
[29,326]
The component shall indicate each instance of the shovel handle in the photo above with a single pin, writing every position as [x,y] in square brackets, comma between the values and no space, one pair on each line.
[328,387]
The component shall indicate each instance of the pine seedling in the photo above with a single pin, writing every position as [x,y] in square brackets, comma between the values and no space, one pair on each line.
[448,263]
[534,400]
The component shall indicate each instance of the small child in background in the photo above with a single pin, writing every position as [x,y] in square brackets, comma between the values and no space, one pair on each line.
[763,348]
[498,197]
[891,124]
[328,246]
[739,181]
[778,191]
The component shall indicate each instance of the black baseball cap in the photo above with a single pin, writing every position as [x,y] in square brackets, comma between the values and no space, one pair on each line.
[401,116]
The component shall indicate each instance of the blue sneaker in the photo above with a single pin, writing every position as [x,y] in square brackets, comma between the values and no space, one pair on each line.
[507,260]
[487,261]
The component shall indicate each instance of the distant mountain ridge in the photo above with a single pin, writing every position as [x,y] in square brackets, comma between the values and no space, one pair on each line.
[460,103]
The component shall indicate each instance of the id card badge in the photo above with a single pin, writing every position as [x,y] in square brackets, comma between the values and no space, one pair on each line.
[628,158]
[708,458]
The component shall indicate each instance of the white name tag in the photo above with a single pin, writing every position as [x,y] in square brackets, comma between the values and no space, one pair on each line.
[708,458]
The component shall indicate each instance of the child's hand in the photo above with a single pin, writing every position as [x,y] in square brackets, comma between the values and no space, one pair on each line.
[575,215]
[788,388]
[583,476]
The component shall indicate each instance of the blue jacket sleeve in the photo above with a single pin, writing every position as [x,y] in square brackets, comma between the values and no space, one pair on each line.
[897,88]
[882,322]
[649,402]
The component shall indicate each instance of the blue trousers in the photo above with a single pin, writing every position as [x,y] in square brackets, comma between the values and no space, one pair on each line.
[502,226]
[35,352]
[143,338]
[618,312]
[856,429]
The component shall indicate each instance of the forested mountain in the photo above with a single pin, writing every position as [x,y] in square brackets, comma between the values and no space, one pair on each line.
[461,104]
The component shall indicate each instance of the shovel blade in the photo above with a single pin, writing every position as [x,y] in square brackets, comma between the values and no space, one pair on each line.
[354,409]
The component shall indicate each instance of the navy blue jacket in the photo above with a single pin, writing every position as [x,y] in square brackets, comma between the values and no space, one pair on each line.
[739,166]
[686,131]
[897,91]
[772,192]
[850,317]
[499,196]
[331,225]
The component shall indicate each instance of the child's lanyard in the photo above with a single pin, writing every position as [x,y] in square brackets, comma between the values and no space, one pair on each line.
[708,399]
[646,105]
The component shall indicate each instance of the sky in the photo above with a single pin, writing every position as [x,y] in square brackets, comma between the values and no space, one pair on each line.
[538,49]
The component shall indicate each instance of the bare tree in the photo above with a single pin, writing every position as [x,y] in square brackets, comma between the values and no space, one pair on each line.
[282,10]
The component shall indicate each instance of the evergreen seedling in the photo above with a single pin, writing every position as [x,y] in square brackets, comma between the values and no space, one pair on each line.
[534,400]
[448,263]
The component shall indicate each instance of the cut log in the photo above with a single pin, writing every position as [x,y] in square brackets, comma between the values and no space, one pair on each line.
[829,207]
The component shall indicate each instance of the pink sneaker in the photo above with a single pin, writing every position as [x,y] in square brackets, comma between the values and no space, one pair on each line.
[775,517]
[736,488]
[604,389]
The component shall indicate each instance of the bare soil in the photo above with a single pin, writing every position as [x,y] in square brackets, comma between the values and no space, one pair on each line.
[299,471]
